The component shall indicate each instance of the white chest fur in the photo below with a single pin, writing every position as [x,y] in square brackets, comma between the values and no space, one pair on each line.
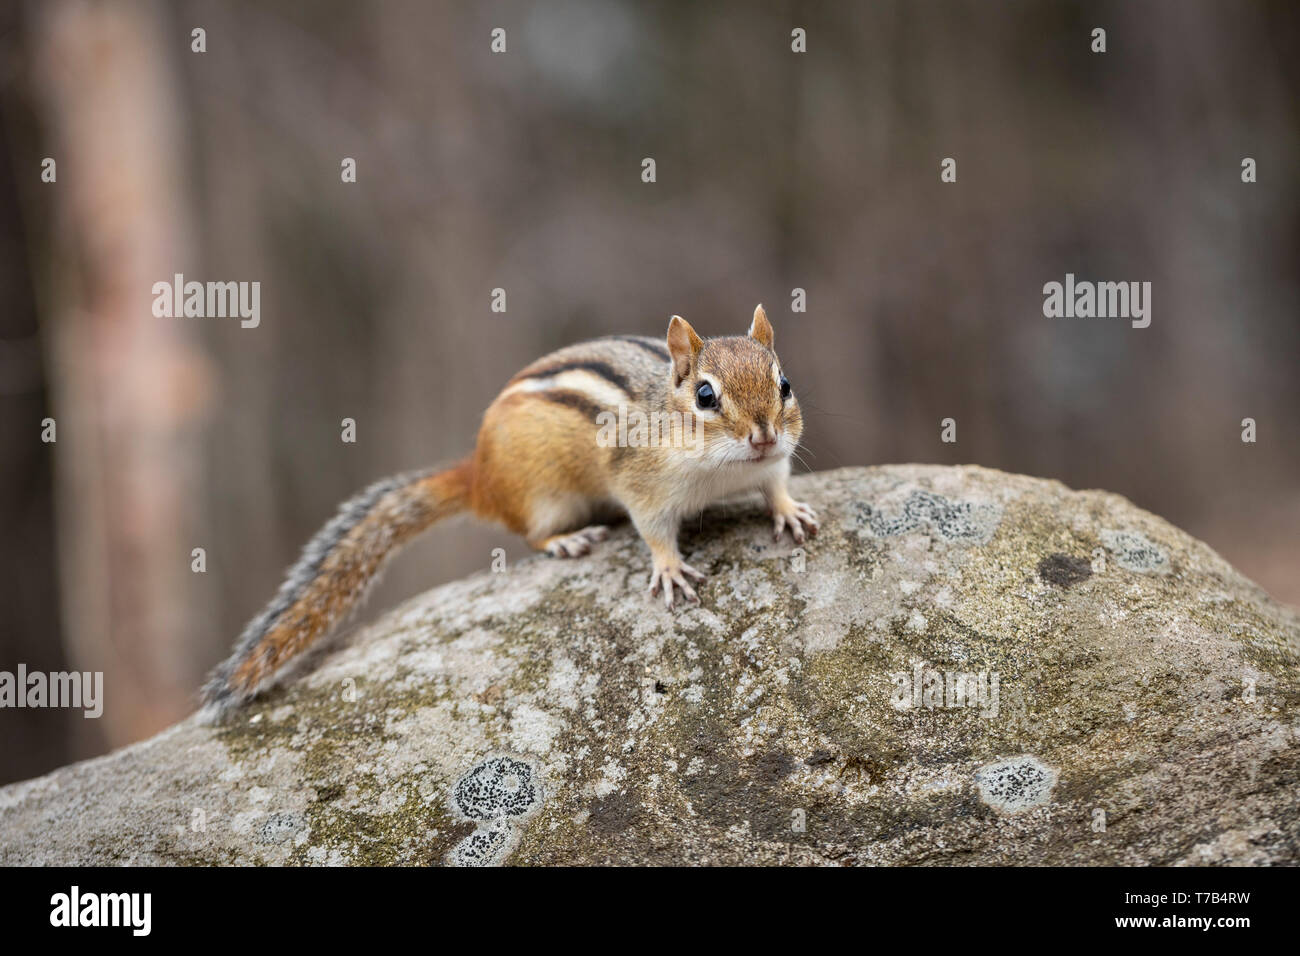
[712,483]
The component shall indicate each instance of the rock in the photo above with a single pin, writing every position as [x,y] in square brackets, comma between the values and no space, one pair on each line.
[964,667]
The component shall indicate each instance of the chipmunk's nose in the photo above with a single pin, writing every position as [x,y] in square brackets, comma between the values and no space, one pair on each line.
[762,437]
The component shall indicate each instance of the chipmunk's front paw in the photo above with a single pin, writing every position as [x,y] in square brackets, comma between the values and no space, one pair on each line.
[672,575]
[797,516]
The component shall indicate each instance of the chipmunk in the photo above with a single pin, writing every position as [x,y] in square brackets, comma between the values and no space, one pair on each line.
[539,469]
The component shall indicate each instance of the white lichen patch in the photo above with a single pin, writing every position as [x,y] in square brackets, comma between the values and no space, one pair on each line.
[488,845]
[1015,784]
[966,522]
[281,828]
[321,856]
[534,730]
[500,786]
[751,588]
[1134,551]
[564,682]
[499,794]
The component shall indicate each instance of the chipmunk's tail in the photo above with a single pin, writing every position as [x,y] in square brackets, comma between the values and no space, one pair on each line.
[333,574]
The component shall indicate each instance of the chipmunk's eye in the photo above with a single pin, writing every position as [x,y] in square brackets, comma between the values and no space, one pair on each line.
[704,396]
[785,387]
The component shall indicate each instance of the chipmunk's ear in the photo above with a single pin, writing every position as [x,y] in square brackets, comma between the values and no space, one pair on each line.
[683,345]
[760,330]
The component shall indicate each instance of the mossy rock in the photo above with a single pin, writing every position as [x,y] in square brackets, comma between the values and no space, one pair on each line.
[965,666]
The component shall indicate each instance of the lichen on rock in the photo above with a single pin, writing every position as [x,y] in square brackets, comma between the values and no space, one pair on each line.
[965,666]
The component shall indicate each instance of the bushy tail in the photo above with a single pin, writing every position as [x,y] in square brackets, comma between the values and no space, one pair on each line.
[333,574]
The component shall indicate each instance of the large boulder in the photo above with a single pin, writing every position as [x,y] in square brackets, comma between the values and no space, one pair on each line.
[965,666]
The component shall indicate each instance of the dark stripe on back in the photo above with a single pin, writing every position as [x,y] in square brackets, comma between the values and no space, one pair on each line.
[654,348]
[573,400]
[603,369]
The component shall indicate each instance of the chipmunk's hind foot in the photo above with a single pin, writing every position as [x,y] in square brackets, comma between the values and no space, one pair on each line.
[575,543]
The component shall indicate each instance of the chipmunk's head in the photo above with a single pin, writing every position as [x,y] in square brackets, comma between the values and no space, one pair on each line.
[743,405]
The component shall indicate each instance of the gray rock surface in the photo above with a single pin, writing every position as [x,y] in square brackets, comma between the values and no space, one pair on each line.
[964,667]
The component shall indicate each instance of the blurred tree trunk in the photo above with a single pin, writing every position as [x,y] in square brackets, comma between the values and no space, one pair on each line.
[128,388]
[34,739]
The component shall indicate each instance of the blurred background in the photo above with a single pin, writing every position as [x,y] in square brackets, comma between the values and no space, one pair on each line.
[522,171]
